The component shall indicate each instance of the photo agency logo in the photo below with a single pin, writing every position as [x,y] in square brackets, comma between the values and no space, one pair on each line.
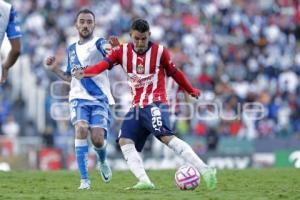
[200,109]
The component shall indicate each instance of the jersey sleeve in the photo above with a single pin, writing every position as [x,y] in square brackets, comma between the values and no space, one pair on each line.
[13,29]
[175,73]
[167,63]
[100,44]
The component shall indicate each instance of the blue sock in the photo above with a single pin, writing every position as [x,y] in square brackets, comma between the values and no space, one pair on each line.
[101,153]
[81,150]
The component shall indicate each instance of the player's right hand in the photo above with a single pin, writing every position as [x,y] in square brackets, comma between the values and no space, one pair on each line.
[113,41]
[195,93]
[77,73]
[51,64]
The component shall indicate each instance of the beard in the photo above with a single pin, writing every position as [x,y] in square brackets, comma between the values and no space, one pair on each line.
[85,34]
[140,50]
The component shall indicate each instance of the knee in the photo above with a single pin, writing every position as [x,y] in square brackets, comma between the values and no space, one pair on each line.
[81,129]
[98,143]
[97,138]
[166,139]
[124,141]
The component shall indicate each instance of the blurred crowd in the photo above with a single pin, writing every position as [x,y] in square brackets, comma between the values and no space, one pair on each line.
[236,51]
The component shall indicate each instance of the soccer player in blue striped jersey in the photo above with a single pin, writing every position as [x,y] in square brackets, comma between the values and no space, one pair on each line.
[11,28]
[89,98]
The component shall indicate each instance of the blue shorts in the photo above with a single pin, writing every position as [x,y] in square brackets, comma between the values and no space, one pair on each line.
[94,113]
[139,123]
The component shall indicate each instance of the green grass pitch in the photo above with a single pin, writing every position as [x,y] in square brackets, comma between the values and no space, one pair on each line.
[252,184]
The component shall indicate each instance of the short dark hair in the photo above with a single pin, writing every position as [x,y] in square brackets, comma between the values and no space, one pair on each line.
[140,25]
[85,11]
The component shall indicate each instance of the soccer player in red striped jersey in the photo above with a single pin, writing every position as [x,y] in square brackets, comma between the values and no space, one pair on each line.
[147,64]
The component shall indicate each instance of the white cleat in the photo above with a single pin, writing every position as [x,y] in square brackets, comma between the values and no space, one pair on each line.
[85,184]
[105,172]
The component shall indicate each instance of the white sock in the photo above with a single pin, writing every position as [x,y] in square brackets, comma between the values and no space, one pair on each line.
[135,162]
[187,153]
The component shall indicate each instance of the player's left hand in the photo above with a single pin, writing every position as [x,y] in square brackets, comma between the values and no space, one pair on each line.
[195,93]
[77,73]
[113,41]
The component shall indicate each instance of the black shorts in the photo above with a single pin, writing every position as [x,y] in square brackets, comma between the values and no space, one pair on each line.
[139,123]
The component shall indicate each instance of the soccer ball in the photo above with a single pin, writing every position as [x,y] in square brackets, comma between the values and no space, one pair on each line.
[187,177]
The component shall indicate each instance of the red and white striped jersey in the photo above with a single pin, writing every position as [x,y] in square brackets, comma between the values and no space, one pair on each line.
[146,72]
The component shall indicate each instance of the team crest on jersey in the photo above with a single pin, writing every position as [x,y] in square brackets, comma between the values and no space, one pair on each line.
[140,69]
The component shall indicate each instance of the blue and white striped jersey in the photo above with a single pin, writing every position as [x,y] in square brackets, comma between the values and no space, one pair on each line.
[95,88]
